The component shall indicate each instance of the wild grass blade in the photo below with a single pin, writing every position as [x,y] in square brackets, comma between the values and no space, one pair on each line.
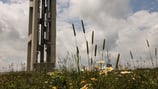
[77,56]
[83,28]
[155,51]
[156,57]
[103,44]
[92,37]
[117,61]
[147,42]
[77,51]
[92,41]
[131,54]
[74,30]
[148,45]
[87,47]
[95,53]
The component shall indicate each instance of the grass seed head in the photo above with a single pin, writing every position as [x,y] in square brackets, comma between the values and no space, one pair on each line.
[83,26]
[117,62]
[74,30]
[77,50]
[104,44]
[131,54]
[147,43]
[95,53]
[92,37]
[87,47]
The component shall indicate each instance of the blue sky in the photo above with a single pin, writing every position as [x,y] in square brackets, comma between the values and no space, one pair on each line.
[5,1]
[136,5]
[150,5]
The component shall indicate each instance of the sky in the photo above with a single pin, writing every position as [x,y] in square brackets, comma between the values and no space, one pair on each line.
[125,24]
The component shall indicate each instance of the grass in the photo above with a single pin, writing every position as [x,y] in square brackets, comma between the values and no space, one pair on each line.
[120,79]
[23,80]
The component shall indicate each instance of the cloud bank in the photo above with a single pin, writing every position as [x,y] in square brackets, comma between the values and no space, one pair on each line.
[13,30]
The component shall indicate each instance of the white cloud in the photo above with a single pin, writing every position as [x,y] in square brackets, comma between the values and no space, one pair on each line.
[13,29]
[96,8]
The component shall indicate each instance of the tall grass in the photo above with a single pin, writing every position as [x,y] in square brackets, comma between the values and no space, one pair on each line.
[95,52]
[103,49]
[132,57]
[117,62]
[77,50]
[156,57]
[92,52]
[148,46]
[87,45]
[108,58]
[92,46]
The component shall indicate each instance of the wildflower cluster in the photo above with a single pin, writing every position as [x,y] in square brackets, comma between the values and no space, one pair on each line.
[57,80]
[88,84]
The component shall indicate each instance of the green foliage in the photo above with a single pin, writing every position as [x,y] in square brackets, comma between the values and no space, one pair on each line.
[57,78]
[22,80]
[135,79]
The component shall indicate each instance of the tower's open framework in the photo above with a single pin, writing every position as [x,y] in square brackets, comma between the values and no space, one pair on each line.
[41,52]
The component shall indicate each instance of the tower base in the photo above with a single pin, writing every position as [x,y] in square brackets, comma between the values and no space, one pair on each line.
[44,66]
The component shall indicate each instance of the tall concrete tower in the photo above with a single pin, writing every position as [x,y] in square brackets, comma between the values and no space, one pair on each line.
[41,52]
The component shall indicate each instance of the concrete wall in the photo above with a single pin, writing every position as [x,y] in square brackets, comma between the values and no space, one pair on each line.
[33,35]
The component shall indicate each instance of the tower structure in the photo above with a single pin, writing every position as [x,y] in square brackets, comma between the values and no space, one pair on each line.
[41,52]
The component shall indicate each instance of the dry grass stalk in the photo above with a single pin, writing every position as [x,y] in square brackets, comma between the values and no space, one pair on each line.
[95,53]
[87,47]
[155,51]
[92,49]
[103,44]
[131,54]
[77,51]
[83,27]
[92,37]
[88,53]
[156,57]
[148,45]
[74,30]
[103,48]
[108,55]
[117,62]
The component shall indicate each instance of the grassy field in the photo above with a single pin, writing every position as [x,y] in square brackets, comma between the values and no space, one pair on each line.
[96,79]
